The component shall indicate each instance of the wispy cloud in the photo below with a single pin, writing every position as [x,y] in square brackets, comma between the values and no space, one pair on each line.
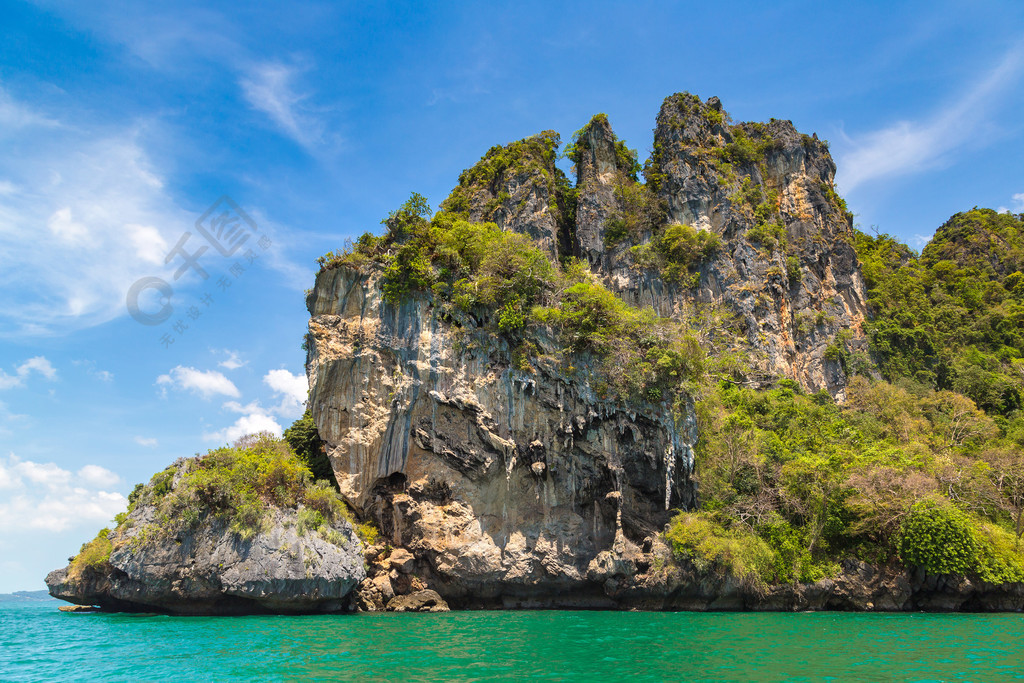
[476,70]
[205,383]
[87,199]
[233,360]
[148,442]
[90,368]
[270,88]
[912,146]
[37,364]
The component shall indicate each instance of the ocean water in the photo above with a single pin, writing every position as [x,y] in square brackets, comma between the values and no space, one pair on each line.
[38,643]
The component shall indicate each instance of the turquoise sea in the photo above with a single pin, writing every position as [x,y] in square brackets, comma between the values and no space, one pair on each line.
[38,643]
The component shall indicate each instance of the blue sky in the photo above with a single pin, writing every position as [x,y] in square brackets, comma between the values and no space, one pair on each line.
[122,123]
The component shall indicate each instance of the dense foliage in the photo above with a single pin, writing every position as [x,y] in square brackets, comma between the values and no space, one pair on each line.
[897,473]
[305,442]
[952,318]
[925,467]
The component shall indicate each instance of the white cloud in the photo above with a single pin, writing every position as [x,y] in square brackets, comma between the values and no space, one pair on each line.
[232,362]
[148,442]
[66,229]
[90,367]
[1018,202]
[268,88]
[38,364]
[46,497]
[292,389]
[83,215]
[150,245]
[257,421]
[206,383]
[909,147]
[16,116]
[98,477]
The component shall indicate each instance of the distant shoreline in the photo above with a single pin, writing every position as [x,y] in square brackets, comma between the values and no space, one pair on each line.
[27,596]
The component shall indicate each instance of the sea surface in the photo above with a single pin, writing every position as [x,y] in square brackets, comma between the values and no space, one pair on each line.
[38,643]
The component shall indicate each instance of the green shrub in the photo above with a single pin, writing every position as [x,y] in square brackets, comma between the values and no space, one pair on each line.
[771,235]
[939,538]
[323,498]
[93,555]
[793,272]
[999,557]
[236,484]
[750,144]
[368,533]
[305,441]
[309,519]
[699,537]
[638,212]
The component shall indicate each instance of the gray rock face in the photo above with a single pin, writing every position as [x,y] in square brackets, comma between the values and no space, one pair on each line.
[438,442]
[597,175]
[796,298]
[210,570]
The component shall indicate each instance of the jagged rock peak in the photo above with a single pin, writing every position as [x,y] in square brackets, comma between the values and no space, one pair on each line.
[518,187]
[772,240]
[599,154]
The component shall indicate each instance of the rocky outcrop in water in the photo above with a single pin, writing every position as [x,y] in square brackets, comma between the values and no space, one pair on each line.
[213,571]
[285,559]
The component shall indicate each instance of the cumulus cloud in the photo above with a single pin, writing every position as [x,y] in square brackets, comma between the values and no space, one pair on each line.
[909,147]
[254,419]
[47,497]
[205,383]
[98,477]
[37,364]
[293,390]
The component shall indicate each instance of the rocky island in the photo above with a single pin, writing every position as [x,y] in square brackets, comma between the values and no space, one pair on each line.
[702,389]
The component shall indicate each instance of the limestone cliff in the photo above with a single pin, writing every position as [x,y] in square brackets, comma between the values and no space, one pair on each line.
[510,486]
[518,482]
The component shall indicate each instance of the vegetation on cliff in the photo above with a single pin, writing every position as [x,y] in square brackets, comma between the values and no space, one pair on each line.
[924,454]
[239,486]
[924,467]
[503,280]
[920,466]
[953,317]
